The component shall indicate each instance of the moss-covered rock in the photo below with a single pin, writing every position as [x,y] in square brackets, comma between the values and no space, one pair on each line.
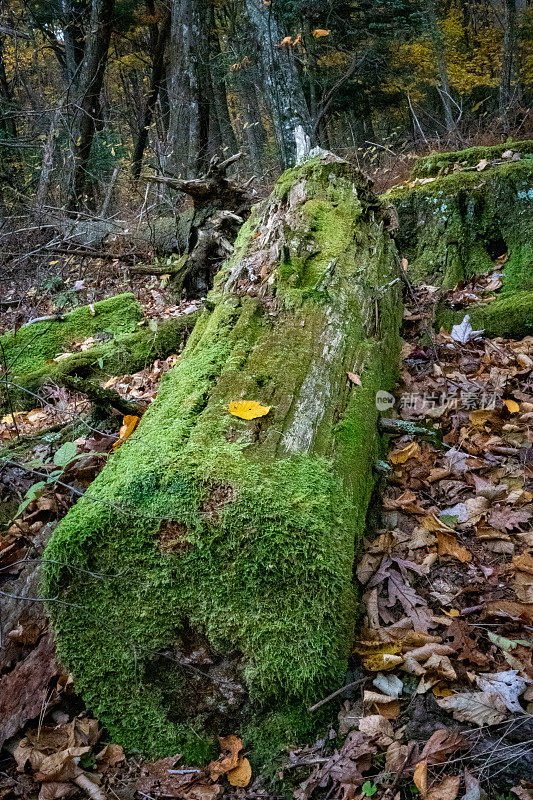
[455,226]
[125,346]
[204,583]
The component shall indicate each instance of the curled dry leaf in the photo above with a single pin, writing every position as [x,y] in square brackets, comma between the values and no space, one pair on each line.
[129,423]
[402,455]
[242,774]
[441,745]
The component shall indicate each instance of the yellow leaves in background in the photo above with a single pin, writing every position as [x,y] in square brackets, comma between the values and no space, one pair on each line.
[247,409]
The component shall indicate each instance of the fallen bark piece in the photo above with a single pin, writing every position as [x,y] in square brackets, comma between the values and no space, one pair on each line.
[250,614]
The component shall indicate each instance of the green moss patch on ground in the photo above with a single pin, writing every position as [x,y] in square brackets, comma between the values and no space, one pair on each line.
[123,352]
[210,534]
[32,346]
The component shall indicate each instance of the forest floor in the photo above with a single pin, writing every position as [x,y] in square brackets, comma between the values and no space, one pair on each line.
[441,694]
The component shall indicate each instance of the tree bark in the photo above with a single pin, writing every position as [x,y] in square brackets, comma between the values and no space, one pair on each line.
[90,85]
[509,56]
[235,537]
[158,65]
[441,64]
[281,82]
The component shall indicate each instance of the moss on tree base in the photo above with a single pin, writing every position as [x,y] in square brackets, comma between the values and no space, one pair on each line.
[204,582]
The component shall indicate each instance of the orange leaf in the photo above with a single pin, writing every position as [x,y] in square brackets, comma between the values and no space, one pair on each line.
[420,777]
[129,423]
[449,546]
[319,32]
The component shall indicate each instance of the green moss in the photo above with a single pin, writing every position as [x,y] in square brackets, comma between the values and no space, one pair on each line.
[125,353]
[32,346]
[442,163]
[268,512]
[456,226]
[511,316]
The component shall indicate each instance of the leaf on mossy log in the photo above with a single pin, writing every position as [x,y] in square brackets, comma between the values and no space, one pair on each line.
[247,409]
[129,423]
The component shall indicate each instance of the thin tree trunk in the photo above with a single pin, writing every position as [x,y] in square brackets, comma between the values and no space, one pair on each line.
[441,64]
[7,121]
[90,85]
[158,64]
[48,160]
[281,82]
[510,45]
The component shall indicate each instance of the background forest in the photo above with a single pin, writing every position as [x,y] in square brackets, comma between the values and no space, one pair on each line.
[93,93]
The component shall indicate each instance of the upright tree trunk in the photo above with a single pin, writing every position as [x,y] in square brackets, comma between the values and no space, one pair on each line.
[90,85]
[509,57]
[281,82]
[7,120]
[441,64]
[218,94]
[254,129]
[48,160]
[158,65]
[188,130]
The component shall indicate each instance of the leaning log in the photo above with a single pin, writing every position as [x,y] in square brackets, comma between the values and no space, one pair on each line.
[204,583]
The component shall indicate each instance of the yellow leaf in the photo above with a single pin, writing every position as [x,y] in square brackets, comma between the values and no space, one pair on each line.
[242,774]
[420,777]
[247,409]
[381,662]
[453,612]
[512,406]
[434,525]
[401,456]
[129,423]
[319,32]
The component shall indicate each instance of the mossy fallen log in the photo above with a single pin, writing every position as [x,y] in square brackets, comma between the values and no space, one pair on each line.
[204,583]
[126,346]
[456,225]
[511,316]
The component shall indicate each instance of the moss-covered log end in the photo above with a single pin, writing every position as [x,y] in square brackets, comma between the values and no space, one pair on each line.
[509,316]
[206,582]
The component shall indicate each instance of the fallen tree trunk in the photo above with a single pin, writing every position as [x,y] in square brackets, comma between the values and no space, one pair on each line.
[217,550]
[27,356]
